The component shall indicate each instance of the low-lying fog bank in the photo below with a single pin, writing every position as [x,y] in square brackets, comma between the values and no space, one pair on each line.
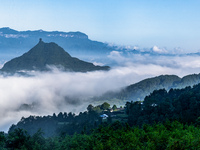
[56,91]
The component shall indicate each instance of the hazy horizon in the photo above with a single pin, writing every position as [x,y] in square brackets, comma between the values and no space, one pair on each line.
[166,24]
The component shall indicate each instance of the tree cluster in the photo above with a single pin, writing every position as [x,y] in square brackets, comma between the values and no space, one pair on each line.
[176,104]
[167,135]
[63,123]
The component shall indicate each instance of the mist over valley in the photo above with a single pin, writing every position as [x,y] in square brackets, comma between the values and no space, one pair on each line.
[37,91]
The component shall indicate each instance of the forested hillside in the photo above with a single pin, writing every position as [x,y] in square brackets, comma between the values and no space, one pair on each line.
[176,104]
[138,91]
[164,120]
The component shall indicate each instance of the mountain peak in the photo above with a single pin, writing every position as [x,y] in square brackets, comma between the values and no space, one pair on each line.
[7,30]
[49,54]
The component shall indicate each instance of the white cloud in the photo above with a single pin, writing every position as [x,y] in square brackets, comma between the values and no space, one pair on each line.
[117,56]
[159,50]
[98,64]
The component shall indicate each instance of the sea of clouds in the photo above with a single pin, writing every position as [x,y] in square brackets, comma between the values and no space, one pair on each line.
[57,91]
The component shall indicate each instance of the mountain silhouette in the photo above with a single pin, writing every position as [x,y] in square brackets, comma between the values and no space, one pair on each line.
[49,54]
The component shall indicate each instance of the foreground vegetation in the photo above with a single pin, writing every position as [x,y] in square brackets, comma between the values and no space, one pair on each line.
[169,135]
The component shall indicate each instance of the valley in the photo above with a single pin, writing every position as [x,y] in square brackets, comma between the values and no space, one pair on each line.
[86,96]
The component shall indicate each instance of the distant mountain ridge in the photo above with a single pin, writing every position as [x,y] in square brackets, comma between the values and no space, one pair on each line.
[14,43]
[143,88]
[139,90]
[74,42]
[44,54]
[10,33]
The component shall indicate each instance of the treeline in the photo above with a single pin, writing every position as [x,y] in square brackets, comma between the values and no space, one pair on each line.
[64,123]
[177,104]
[115,136]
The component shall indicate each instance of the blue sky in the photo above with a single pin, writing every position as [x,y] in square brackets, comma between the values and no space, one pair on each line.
[146,23]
